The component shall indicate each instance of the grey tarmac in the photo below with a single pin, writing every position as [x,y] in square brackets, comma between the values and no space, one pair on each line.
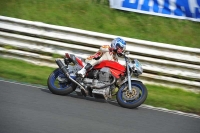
[33,109]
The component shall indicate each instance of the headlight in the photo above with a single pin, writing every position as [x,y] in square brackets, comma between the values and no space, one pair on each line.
[137,67]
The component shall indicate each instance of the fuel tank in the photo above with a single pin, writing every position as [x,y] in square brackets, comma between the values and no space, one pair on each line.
[115,68]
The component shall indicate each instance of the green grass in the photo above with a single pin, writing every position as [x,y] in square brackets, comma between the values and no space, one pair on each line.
[94,16]
[175,99]
[24,72]
[158,96]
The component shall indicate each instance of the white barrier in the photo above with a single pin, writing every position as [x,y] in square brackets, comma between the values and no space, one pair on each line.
[163,63]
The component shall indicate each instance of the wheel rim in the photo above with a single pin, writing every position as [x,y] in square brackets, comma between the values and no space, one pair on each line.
[134,97]
[55,83]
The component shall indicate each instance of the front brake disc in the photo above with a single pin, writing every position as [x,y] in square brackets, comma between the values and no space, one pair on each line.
[131,96]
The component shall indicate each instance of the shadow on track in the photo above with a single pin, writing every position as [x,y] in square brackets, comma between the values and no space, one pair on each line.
[74,95]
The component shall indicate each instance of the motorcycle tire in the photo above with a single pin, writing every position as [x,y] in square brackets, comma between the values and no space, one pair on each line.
[64,89]
[124,98]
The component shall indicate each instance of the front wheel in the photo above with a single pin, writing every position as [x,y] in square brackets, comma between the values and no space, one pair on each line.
[59,84]
[134,99]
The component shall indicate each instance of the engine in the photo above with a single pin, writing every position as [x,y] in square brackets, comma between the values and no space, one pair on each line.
[97,79]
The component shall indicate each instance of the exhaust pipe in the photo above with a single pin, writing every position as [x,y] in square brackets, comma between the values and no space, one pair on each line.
[64,70]
[62,66]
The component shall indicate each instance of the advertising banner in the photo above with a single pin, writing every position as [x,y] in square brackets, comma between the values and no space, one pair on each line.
[180,9]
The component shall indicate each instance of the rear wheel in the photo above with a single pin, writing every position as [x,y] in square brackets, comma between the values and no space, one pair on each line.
[134,99]
[59,84]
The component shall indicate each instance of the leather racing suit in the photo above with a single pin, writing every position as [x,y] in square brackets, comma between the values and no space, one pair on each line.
[105,53]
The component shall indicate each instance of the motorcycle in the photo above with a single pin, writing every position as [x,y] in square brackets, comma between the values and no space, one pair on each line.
[104,80]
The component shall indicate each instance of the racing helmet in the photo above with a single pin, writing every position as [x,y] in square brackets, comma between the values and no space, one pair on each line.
[118,45]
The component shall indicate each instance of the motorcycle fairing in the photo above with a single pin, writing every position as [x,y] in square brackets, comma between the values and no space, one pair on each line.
[115,68]
[75,59]
[116,73]
[111,64]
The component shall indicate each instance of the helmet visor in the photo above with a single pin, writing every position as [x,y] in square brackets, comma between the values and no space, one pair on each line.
[121,49]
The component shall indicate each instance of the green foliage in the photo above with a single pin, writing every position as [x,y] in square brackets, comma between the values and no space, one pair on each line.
[57,56]
[96,15]
[8,47]
[25,72]
[173,98]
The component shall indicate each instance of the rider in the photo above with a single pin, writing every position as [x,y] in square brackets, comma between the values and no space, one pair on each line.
[106,52]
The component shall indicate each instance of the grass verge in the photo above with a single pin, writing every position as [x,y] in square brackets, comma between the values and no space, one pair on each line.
[159,96]
[96,15]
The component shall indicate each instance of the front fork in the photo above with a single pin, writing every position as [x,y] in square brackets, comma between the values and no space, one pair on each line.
[129,77]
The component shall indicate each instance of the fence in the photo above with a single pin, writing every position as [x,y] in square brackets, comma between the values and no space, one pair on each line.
[163,63]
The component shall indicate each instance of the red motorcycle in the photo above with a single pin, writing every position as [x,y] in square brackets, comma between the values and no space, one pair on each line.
[104,80]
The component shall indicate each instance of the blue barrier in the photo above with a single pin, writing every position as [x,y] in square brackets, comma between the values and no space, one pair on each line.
[183,9]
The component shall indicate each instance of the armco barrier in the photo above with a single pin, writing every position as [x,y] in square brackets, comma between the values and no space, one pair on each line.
[163,63]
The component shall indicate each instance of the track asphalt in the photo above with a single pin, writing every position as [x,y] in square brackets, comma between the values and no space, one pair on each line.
[30,109]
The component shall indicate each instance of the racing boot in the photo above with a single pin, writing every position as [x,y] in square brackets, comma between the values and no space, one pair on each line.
[83,71]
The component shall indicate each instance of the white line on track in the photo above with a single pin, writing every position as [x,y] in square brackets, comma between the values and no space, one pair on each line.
[142,106]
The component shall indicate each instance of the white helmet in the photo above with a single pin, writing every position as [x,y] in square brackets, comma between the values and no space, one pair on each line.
[118,45]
